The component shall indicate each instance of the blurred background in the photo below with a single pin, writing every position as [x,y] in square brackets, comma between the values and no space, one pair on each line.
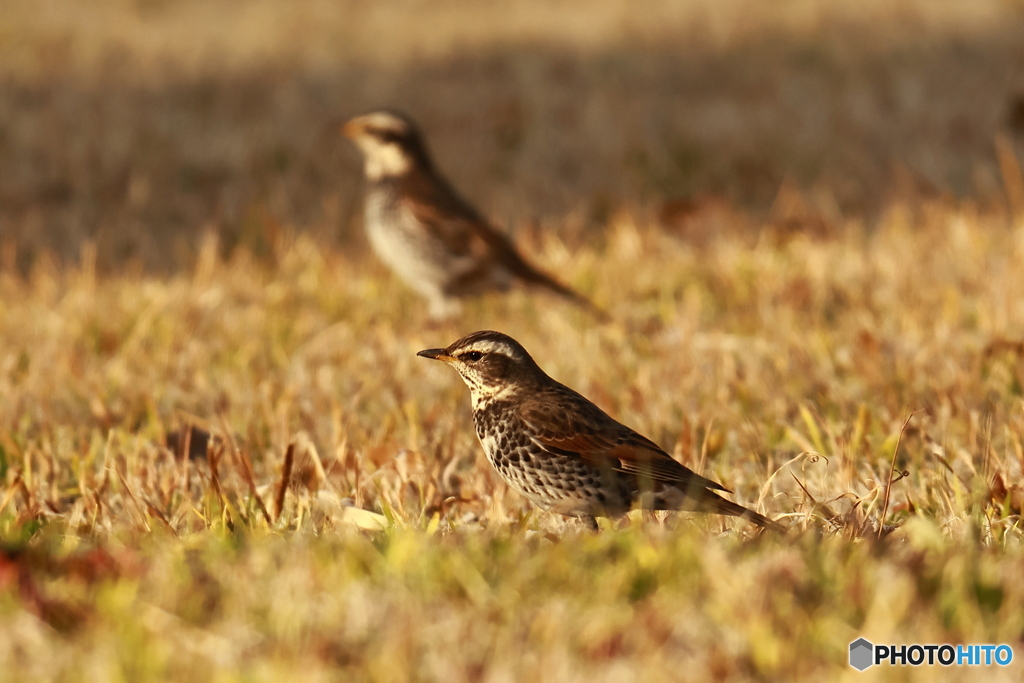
[139,124]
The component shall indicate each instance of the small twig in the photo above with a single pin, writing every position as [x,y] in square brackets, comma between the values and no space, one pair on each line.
[244,464]
[131,497]
[11,491]
[213,457]
[986,462]
[155,511]
[816,505]
[286,474]
[892,470]
[764,489]
[185,460]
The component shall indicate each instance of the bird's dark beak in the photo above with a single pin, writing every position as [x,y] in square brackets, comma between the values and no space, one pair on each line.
[436,354]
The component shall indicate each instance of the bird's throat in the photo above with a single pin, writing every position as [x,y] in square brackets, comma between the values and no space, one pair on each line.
[386,161]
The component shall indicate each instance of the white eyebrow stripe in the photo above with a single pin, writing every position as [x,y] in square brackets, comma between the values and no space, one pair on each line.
[385,121]
[488,347]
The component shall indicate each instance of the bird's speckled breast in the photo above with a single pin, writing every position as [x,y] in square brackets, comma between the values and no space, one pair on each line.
[561,483]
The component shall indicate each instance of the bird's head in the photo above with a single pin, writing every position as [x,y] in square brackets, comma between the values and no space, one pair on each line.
[390,142]
[492,364]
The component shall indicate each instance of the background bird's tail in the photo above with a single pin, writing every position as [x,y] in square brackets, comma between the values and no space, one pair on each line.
[536,278]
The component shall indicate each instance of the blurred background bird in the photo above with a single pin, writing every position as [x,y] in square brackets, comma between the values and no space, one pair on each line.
[431,238]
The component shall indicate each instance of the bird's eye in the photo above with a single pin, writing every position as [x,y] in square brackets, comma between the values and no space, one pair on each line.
[472,356]
[385,135]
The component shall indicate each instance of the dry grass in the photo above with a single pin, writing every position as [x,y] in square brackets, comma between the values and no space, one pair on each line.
[342,522]
[132,560]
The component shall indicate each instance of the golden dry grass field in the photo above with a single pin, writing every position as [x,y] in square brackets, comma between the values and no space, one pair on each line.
[807,223]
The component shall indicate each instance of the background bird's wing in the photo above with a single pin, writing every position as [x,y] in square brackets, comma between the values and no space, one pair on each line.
[464,232]
[450,219]
[602,442]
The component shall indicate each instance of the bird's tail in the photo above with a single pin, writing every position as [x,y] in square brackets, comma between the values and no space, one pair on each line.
[727,507]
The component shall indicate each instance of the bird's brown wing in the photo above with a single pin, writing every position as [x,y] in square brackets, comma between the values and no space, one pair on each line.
[562,422]
[601,441]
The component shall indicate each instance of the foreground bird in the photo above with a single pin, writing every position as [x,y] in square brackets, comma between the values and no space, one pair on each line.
[563,452]
[424,231]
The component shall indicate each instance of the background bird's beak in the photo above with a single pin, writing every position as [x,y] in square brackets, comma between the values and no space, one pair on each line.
[436,354]
[351,128]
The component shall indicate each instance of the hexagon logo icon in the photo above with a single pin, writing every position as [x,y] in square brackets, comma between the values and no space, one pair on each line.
[862,654]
